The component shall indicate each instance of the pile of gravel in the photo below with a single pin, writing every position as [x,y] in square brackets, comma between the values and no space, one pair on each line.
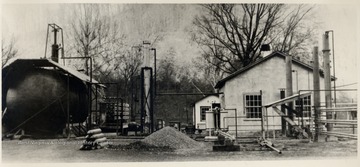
[170,137]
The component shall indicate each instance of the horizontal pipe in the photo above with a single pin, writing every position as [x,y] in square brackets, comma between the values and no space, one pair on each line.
[85,57]
[345,127]
[345,109]
[250,130]
[353,136]
[252,125]
[178,94]
[339,122]
[329,90]
[249,119]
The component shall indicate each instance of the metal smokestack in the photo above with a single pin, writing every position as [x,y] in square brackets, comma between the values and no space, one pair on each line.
[146,51]
[55,48]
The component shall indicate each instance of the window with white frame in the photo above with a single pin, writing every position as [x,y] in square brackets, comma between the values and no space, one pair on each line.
[252,105]
[306,106]
[203,110]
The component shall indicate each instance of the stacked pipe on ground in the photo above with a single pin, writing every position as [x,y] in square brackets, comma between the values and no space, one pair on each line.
[95,139]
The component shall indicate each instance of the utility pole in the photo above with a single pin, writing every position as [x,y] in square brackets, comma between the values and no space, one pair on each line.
[327,80]
[333,62]
[316,84]
[289,86]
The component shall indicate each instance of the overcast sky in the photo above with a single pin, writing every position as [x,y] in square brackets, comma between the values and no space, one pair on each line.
[27,23]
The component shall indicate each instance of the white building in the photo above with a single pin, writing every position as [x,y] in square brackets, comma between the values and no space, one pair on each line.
[200,109]
[248,89]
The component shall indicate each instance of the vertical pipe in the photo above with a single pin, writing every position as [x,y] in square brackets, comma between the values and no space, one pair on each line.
[289,85]
[187,114]
[194,116]
[262,123]
[327,78]
[301,100]
[155,74]
[297,81]
[68,107]
[63,46]
[333,53]
[47,37]
[142,107]
[132,100]
[316,84]
[267,123]
[154,71]
[283,121]
[90,95]
[121,116]
[151,101]
[154,89]
[236,125]
[89,109]
[97,116]
[116,107]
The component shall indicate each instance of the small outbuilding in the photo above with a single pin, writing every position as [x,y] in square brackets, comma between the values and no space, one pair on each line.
[201,107]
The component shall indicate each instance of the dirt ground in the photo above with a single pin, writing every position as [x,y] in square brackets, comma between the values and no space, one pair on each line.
[60,151]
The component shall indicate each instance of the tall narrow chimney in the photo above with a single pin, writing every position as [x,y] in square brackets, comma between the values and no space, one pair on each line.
[146,52]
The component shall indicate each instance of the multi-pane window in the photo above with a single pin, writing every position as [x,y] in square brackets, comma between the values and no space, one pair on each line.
[306,107]
[253,105]
[203,110]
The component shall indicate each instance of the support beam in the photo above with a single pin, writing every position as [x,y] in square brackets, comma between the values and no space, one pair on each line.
[292,110]
[287,99]
[291,122]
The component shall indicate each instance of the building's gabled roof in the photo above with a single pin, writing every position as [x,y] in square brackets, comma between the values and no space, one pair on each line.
[20,63]
[205,98]
[222,82]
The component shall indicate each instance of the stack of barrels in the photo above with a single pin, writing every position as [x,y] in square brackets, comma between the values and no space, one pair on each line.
[95,139]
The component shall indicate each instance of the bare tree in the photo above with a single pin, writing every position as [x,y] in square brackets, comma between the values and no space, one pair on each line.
[208,72]
[231,35]
[8,50]
[293,36]
[95,35]
[128,64]
[167,73]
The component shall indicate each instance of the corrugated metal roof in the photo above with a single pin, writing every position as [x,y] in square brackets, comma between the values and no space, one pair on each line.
[48,63]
